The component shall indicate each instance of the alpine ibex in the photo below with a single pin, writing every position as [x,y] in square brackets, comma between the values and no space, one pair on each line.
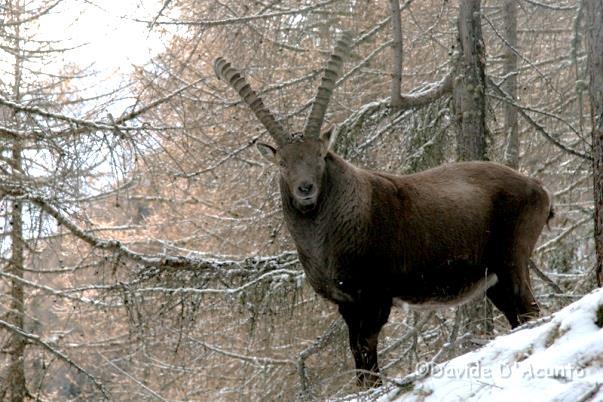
[368,239]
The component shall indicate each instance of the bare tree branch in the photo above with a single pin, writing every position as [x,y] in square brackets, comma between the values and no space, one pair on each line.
[502,95]
[247,18]
[37,340]
[164,261]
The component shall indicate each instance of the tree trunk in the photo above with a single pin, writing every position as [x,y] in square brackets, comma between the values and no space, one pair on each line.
[15,381]
[597,136]
[469,88]
[511,126]
[396,98]
[16,377]
[470,109]
[594,43]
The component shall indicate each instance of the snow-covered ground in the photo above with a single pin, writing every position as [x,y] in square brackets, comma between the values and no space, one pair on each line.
[561,360]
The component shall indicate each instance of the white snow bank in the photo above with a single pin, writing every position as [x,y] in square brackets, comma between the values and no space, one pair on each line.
[559,360]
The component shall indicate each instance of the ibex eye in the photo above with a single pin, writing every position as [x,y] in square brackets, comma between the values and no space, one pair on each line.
[282,164]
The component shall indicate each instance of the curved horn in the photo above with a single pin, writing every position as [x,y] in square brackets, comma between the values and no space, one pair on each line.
[237,81]
[327,84]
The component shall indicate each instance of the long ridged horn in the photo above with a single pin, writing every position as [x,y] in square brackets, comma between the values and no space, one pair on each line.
[325,90]
[237,81]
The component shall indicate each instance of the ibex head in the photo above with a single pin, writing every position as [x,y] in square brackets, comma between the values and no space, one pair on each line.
[300,156]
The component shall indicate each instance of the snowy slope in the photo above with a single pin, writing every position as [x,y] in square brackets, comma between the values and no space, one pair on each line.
[559,360]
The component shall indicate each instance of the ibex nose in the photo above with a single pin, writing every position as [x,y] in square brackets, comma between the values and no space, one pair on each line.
[305,188]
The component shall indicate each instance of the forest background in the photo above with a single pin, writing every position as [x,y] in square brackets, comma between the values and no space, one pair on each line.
[143,254]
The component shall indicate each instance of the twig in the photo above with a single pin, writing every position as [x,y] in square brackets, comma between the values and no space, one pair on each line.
[36,339]
[427,368]
[544,277]
[317,345]
[550,6]
[270,263]
[260,361]
[247,18]
[77,125]
[131,377]
[502,95]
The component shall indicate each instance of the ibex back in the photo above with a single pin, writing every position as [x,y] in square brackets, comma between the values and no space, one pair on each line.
[368,240]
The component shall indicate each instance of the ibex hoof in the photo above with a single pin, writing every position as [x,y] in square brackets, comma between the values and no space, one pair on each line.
[368,380]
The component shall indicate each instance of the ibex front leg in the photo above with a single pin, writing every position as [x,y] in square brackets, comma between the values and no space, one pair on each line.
[364,322]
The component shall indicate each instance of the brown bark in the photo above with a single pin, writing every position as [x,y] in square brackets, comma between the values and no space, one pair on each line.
[598,196]
[469,87]
[16,381]
[594,42]
[396,98]
[511,126]
[470,109]
[16,375]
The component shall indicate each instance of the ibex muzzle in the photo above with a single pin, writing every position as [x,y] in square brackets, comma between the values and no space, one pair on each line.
[302,167]
[367,239]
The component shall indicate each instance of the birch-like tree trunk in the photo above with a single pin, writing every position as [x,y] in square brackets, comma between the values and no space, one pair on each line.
[594,42]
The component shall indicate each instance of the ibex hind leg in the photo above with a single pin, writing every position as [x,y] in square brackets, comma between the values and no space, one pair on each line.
[513,296]
[511,253]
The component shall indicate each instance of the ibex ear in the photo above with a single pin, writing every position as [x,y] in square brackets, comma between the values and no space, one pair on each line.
[267,151]
[329,136]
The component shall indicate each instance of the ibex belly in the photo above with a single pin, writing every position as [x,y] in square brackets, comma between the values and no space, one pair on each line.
[450,298]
